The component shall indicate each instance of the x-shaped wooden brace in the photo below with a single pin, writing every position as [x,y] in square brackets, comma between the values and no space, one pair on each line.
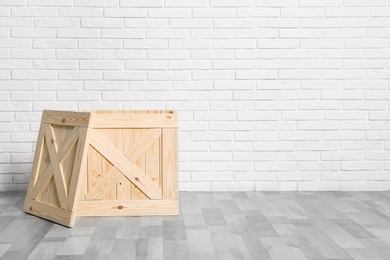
[54,169]
[124,165]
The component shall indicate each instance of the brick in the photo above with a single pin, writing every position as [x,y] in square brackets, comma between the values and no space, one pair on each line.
[57,22]
[142,3]
[243,64]
[33,75]
[72,95]
[325,125]
[125,13]
[146,23]
[361,145]
[292,12]
[121,95]
[189,65]
[124,75]
[97,3]
[366,23]
[189,44]
[191,23]
[259,12]
[100,65]
[78,33]
[212,34]
[278,44]
[80,12]
[211,13]
[32,33]
[79,75]
[317,146]
[55,65]
[279,185]
[342,156]
[169,75]
[361,166]
[347,12]
[235,23]
[77,54]
[258,156]
[318,166]
[167,34]
[124,55]
[319,185]
[275,166]
[298,156]
[54,44]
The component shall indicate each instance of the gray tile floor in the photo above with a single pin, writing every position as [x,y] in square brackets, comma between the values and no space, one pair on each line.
[238,225]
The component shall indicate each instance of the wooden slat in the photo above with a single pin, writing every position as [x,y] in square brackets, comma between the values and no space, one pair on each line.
[127,141]
[77,173]
[55,164]
[123,189]
[44,180]
[109,134]
[128,208]
[169,163]
[142,144]
[49,212]
[137,193]
[105,184]
[68,144]
[37,161]
[66,118]
[152,162]
[124,165]
[134,121]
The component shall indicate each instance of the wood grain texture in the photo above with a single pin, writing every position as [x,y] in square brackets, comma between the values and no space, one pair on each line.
[128,208]
[170,163]
[140,120]
[66,118]
[132,172]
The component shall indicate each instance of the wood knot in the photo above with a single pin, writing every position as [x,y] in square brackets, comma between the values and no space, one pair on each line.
[120,183]
[30,208]
[52,141]
[169,117]
[136,178]
[63,120]
[120,207]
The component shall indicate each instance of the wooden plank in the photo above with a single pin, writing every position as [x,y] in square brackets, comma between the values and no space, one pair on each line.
[124,165]
[128,208]
[142,143]
[110,135]
[66,118]
[46,211]
[77,174]
[55,164]
[105,184]
[124,189]
[127,141]
[37,161]
[44,179]
[68,144]
[134,121]
[152,162]
[170,163]
[137,193]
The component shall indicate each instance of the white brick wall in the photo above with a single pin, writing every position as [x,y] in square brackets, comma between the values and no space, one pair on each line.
[271,95]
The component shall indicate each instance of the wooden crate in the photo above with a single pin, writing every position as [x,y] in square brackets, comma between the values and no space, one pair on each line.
[104,163]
